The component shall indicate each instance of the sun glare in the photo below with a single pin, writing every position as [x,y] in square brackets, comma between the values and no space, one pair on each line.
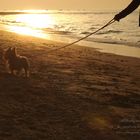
[32,24]
[36,20]
[28,31]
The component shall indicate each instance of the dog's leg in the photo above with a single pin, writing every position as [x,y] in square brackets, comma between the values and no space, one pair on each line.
[12,71]
[19,72]
[26,72]
[7,67]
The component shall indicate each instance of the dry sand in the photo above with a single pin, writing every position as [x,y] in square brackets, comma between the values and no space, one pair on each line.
[75,93]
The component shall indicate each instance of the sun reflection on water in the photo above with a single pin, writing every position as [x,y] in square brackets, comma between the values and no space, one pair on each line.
[36,20]
[33,24]
[28,31]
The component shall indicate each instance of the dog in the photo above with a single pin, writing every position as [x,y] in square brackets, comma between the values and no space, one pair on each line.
[15,62]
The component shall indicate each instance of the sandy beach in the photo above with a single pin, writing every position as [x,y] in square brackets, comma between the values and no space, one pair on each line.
[76,93]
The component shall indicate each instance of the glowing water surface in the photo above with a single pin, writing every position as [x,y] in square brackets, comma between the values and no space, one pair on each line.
[31,24]
[67,26]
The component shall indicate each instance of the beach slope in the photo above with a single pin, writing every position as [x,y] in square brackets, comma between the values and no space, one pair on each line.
[76,93]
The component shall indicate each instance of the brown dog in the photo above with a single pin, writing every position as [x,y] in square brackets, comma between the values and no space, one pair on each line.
[15,62]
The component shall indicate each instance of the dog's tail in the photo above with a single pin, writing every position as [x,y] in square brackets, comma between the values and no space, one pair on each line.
[26,66]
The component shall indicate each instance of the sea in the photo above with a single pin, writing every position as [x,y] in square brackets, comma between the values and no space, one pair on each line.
[67,25]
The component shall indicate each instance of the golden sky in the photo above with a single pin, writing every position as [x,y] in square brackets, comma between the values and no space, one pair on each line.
[64,4]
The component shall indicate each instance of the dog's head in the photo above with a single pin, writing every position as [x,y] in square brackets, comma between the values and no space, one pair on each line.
[10,53]
[7,53]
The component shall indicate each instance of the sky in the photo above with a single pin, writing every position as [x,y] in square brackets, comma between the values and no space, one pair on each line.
[63,4]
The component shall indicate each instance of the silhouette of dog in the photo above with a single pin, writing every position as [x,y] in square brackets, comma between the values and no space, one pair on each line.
[15,62]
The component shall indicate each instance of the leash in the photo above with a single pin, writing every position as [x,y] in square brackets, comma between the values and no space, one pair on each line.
[109,23]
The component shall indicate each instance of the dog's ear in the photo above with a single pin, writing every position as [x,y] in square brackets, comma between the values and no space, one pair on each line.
[14,50]
[8,49]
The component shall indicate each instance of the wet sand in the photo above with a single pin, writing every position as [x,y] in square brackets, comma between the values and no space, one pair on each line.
[76,93]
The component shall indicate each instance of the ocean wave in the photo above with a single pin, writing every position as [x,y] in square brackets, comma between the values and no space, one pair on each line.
[53,12]
[85,33]
[11,22]
[114,41]
[52,31]
[104,32]
[12,13]
[92,28]
[110,32]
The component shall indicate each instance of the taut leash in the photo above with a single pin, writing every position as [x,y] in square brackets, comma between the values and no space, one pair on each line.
[109,23]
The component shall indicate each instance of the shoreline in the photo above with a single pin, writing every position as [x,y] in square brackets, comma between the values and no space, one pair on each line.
[76,93]
[117,49]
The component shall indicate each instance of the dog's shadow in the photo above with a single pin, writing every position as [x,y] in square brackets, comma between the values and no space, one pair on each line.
[12,83]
